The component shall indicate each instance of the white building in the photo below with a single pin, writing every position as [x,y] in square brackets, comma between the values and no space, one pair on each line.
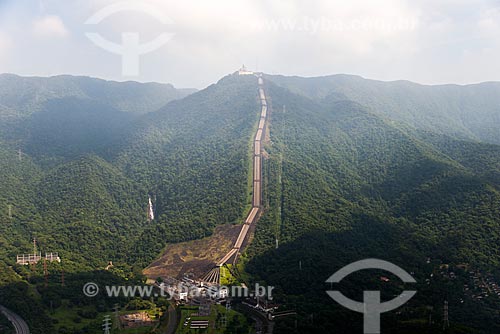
[217,293]
[223,292]
[183,295]
[243,71]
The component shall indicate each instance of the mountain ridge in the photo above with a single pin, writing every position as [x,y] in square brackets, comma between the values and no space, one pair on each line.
[340,177]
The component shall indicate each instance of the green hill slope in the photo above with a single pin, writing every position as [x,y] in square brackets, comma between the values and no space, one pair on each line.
[82,185]
[354,169]
[466,112]
[355,185]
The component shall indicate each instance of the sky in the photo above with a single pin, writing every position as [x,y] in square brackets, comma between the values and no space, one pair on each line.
[194,43]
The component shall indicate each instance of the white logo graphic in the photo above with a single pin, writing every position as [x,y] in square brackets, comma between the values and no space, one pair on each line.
[371,306]
[130,49]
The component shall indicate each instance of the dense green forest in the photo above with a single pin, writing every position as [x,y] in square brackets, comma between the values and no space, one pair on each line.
[346,184]
[355,169]
[466,112]
[81,179]
[77,169]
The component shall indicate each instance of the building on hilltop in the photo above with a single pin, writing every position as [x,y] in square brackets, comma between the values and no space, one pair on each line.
[243,71]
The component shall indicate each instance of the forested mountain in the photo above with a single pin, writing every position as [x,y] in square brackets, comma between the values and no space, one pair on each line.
[63,117]
[355,184]
[76,174]
[81,180]
[23,96]
[356,168]
[356,157]
[193,157]
[467,112]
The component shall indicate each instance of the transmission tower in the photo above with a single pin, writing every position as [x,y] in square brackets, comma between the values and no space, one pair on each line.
[224,317]
[45,273]
[34,262]
[446,320]
[116,309]
[106,325]
[279,221]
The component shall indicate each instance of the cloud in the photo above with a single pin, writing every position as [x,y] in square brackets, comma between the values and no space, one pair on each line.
[488,22]
[5,44]
[4,41]
[426,41]
[49,26]
[5,51]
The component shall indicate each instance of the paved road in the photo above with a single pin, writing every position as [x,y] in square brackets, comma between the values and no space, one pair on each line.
[263,324]
[172,320]
[19,324]
[172,316]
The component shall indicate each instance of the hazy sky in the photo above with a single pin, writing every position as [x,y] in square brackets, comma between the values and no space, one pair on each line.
[450,41]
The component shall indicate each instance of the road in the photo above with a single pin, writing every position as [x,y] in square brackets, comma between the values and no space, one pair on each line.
[265,325]
[172,320]
[19,324]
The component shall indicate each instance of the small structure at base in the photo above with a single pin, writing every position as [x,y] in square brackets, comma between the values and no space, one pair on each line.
[26,259]
[35,257]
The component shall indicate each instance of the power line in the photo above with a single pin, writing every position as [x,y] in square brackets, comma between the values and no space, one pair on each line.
[279,221]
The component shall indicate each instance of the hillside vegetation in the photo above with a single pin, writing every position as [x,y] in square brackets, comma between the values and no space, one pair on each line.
[464,112]
[356,168]
[356,185]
